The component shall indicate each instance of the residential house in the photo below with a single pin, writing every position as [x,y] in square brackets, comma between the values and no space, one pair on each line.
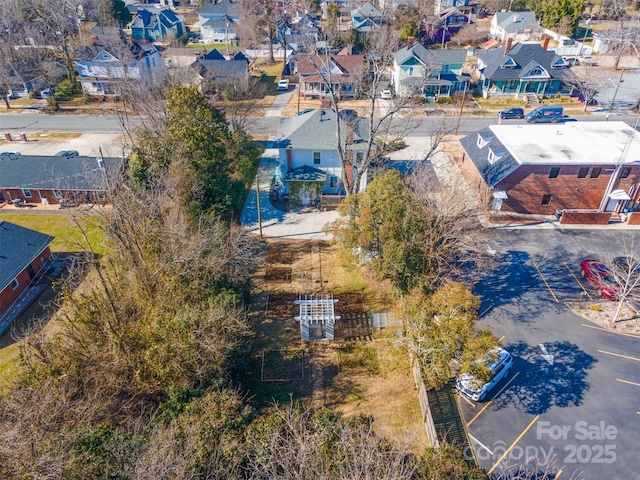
[218,21]
[366,18]
[102,66]
[538,169]
[154,24]
[24,75]
[24,254]
[441,28]
[520,26]
[433,72]
[215,71]
[440,5]
[51,180]
[309,164]
[521,69]
[299,32]
[320,74]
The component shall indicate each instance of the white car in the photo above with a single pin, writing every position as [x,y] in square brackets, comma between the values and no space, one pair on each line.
[477,390]
[283,85]
[386,94]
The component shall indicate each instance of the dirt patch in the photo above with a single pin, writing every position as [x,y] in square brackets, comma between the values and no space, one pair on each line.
[361,372]
[602,312]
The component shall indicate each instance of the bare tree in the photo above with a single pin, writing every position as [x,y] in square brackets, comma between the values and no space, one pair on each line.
[470,35]
[626,268]
[587,81]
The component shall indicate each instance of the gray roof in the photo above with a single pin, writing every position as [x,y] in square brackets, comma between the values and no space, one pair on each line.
[491,173]
[526,56]
[219,69]
[220,23]
[19,246]
[55,173]
[430,57]
[316,130]
[517,21]
[222,7]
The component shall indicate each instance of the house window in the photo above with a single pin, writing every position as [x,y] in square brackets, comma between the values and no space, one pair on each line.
[626,171]
[359,157]
[14,284]
[316,158]
[582,173]
[411,71]
[446,68]
[333,182]
[555,171]
[57,194]
[26,192]
[546,200]
[100,196]
[595,172]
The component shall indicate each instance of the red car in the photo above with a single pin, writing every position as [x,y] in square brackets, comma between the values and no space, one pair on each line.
[601,277]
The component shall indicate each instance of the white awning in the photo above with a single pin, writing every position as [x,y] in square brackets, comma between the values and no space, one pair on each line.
[500,194]
[619,195]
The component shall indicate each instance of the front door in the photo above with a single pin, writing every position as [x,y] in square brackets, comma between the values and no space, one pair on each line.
[31,272]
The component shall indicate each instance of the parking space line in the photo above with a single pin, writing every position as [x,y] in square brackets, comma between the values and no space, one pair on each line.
[506,452]
[480,443]
[558,475]
[578,280]
[611,331]
[489,402]
[627,381]
[618,355]
[545,282]
[501,338]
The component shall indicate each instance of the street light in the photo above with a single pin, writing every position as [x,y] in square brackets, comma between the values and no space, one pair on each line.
[615,93]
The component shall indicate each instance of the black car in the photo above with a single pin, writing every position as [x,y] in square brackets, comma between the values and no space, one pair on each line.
[512,113]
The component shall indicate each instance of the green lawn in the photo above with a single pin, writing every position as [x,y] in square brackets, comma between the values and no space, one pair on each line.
[68,235]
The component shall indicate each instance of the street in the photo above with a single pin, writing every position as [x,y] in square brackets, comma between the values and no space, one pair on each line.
[260,126]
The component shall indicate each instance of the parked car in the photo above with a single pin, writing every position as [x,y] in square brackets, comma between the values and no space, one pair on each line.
[511,113]
[545,115]
[499,362]
[283,85]
[625,265]
[601,277]
[386,94]
[47,92]
[67,153]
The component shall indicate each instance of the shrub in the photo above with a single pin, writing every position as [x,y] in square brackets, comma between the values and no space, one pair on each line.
[595,307]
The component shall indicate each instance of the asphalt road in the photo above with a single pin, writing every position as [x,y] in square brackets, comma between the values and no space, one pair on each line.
[572,399]
[259,126]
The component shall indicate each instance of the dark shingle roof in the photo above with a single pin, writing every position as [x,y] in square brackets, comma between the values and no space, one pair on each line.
[492,173]
[55,173]
[430,57]
[306,173]
[221,69]
[19,246]
[526,56]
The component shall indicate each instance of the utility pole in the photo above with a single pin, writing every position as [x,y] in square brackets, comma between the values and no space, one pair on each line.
[615,94]
[258,201]
[464,97]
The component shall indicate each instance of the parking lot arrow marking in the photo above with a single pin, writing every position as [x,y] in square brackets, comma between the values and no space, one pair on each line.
[545,354]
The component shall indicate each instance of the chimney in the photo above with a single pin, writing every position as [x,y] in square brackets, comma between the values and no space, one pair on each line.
[325,103]
[545,44]
[289,161]
[509,44]
[410,42]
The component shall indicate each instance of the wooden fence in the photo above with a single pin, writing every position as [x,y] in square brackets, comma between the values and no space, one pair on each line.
[427,417]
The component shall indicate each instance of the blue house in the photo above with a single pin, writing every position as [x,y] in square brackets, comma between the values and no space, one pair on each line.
[366,18]
[154,25]
[218,21]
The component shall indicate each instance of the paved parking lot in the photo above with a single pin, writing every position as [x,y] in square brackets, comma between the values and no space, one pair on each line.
[572,400]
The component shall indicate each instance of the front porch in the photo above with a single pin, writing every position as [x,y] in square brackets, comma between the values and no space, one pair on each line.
[519,89]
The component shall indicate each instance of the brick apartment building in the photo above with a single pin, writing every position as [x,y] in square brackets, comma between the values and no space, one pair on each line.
[54,179]
[24,253]
[537,169]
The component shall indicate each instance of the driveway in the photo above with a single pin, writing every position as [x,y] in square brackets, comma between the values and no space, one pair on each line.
[306,223]
[572,401]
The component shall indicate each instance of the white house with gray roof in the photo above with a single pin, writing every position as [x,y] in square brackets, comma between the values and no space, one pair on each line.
[516,25]
[432,72]
[308,148]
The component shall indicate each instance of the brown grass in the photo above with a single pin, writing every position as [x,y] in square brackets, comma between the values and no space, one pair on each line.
[365,377]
